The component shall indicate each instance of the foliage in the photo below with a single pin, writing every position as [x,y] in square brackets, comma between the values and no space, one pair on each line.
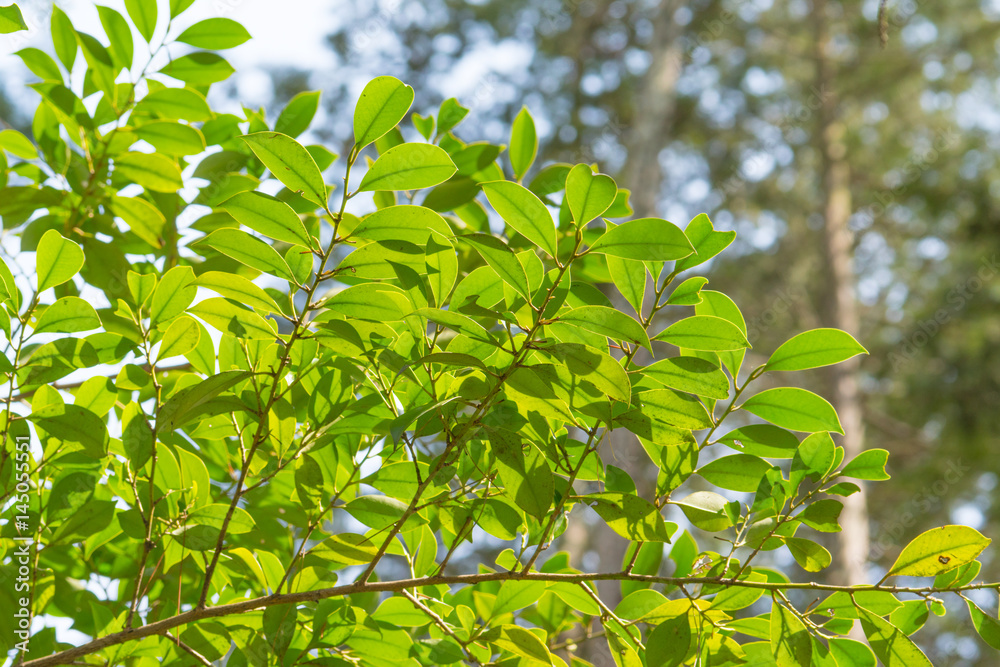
[295,413]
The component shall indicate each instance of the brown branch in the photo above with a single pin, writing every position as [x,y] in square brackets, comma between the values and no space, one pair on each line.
[184,647]
[162,626]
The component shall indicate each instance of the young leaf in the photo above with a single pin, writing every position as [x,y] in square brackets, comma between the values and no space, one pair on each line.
[704,332]
[57,260]
[215,34]
[523,143]
[939,550]
[869,464]
[588,194]
[647,239]
[290,163]
[795,409]
[382,105]
[524,212]
[408,167]
[269,216]
[706,241]
[812,349]
[11,20]
[298,114]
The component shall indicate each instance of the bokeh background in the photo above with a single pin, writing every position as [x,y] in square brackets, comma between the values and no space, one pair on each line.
[855,154]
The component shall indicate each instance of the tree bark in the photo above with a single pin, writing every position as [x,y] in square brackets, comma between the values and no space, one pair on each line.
[842,312]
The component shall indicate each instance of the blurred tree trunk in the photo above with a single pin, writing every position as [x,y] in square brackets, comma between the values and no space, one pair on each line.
[841,306]
[654,105]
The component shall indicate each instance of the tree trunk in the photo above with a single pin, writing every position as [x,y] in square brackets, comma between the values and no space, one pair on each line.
[842,312]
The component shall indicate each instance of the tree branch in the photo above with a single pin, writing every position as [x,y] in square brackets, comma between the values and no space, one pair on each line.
[162,626]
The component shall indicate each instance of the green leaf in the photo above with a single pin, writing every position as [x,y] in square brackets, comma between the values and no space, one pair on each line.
[791,644]
[298,114]
[869,464]
[215,34]
[851,653]
[17,144]
[376,511]
[704,332]
[119,36]
[408,167]
[762,440]
[939,550]
[706,241]
[249,250]
[671,407]
[501,259]
[630,516]
[523,144]
[193,401]
[382,105]
[739,472]
[57,260]
[402,223]
[172,138]
[891,646]
[822,515]
[812,349]
[525,472]
[795,409]
[173,294]
[515,595]
[290,163]
[400,612]
[229,317]
[143,15]
[688,293]
[41,65]
[371,301]
[706,510]
[594,366]
[450,114]
[669,642]
[810,556]
[213,515]
[63,38]
[629,276]
[269,216]
[607,322]
[588,194]
[987,626]
[690,374]
[238,288]
[175,104]
[647,239]
[200,68]
[524,212]
[73,423]
[181,337]
[69,314]
[177,7]
[11,20]
[150,170]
